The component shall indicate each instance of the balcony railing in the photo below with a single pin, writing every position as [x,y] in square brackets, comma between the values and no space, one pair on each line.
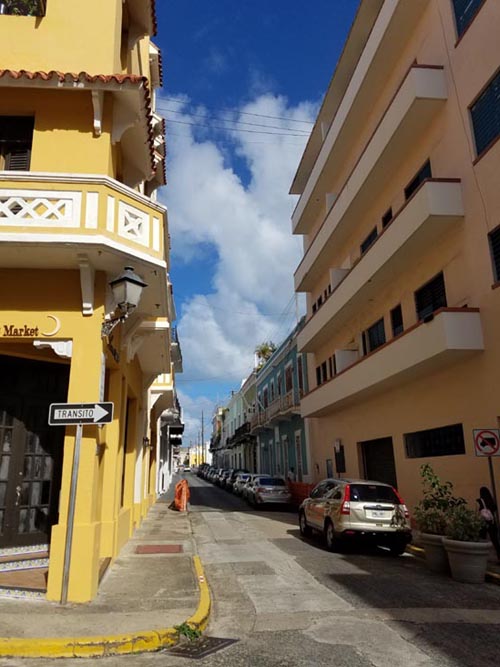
[23,7]
[447,337]
[279,410]
[86,209]
[435,207]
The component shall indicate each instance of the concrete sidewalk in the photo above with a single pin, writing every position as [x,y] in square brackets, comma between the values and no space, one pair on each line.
[140,592]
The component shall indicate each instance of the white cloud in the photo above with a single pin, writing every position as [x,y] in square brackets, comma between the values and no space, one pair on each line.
[247,223]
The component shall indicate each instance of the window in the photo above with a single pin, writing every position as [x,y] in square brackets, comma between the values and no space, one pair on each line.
[374,336]
[318,375]
[16,136]
[430,297]
[288,378]
[397,321]
[443,441]
[494,238]
[24,7]
[300,374]
[424,173]
[465,11]
[324,372]
[485,115]
[386,218]
[279,384]
[370,240]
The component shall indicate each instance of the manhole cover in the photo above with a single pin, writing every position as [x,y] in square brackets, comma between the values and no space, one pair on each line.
[200,648]
[159,549]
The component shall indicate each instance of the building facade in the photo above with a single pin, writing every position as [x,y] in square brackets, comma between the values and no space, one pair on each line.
[399,209]
[281,432]
[81,155]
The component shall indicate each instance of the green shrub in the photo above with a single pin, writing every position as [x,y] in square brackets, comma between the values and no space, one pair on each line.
[431,513]
[464,524]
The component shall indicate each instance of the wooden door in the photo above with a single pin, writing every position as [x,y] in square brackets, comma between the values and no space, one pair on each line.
[31,452]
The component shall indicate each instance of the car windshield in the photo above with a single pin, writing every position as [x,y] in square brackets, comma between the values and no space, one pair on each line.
[243,478]
[373,493]
[272,481]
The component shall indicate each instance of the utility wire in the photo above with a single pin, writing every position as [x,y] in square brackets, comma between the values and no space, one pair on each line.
[281,144]
[243,113]
[229,120]
[236,129]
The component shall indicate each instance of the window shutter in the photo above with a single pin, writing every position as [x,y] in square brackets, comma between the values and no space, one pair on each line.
[495,251]
[465,11]
[485,113]
[18,159]
[430,297]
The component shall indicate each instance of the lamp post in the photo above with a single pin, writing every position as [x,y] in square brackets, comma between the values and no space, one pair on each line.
[127,291]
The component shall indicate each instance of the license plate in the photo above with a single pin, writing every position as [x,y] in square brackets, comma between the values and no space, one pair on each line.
[378,514]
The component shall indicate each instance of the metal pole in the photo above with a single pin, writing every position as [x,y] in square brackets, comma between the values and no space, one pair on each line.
[71,513]
[202,437]
[492,479]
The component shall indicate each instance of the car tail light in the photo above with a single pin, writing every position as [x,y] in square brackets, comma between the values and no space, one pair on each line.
[345,508]
[402,503]
[260,489]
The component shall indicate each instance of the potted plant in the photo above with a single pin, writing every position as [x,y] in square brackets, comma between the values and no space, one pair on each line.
[431,515]
[467,552]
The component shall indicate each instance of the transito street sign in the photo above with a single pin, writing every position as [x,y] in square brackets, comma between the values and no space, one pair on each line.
[66,414]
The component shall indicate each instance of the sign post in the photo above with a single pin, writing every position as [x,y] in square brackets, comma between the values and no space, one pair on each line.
[487,444]
[71,414]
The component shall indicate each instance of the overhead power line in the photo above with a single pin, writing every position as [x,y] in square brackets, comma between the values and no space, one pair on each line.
[245,113]
[237,129]
[234,122]
[281,144]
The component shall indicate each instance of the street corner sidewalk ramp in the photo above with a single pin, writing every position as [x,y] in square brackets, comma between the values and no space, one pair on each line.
[144,597]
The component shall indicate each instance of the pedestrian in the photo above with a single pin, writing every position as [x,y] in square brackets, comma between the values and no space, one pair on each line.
[291,475]
[488,512]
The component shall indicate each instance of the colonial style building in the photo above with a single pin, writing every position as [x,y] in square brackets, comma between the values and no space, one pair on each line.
[281,432]
[399,209]
[81,155]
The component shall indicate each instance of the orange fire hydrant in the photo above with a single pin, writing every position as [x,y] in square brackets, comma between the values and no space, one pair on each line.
[181,497]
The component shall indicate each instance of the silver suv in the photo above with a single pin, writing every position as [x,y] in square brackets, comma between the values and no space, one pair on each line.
[350,509]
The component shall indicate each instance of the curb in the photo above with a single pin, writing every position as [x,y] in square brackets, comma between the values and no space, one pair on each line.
[491,577]
[101,646]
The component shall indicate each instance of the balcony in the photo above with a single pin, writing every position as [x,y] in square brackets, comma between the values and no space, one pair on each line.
[453,335]
[416,103]
[281,409]
[434,208]
[345,103]
[63,221]
[23,7]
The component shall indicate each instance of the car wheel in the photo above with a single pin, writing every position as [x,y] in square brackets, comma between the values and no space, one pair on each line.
[330,539]
[305,529]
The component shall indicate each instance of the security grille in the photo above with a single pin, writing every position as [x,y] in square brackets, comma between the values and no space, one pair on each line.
[465,11]
[494,237]
[430,297]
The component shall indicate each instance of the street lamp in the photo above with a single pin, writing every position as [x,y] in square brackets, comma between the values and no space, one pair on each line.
[127,290]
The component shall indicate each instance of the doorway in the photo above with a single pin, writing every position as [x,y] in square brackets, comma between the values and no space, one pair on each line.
[378,460]
[31,451]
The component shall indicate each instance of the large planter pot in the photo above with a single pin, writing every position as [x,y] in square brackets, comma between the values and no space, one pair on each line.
[468,560]
[435,553]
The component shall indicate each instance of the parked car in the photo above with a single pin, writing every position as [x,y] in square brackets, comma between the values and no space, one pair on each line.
[213,474]
[202,470]
[232,478]
[248,484]
[357,509]
[239,483]
[221,476]
[269,490]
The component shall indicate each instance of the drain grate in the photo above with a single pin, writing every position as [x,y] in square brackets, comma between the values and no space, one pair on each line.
[159,549]
[200,648]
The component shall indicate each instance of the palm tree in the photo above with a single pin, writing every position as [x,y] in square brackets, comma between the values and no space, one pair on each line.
[264,352]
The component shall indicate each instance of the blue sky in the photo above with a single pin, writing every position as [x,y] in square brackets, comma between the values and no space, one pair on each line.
[242,84]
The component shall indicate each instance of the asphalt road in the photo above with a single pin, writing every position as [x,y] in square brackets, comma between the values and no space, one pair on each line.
[290,603]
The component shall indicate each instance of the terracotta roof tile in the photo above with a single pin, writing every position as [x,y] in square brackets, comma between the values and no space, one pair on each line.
[85,77]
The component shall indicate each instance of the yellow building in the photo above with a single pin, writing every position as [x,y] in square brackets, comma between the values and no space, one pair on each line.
[81,155]
[399,210]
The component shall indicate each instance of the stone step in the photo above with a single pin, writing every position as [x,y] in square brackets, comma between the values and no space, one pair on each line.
[19,564]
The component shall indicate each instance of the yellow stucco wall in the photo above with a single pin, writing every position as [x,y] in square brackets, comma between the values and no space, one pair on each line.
[86,38]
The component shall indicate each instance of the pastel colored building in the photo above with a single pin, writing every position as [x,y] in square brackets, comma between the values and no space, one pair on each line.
[276,422]
[399,209]
[81,156]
